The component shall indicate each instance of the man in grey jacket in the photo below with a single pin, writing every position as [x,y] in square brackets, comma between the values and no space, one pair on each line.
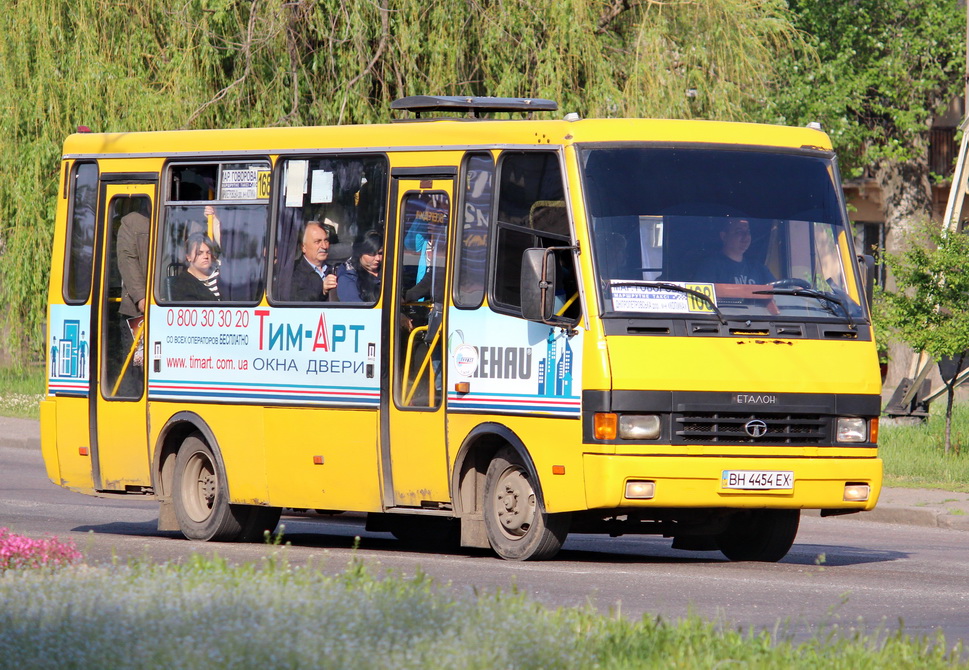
[133,262]
[133,236]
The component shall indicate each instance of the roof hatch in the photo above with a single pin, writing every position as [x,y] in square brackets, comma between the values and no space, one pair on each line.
[471,105]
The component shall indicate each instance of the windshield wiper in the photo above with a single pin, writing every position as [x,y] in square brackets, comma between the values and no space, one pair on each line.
[678,289]
[814,293]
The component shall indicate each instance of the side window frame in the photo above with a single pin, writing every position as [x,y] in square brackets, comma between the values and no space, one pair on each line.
[287,220]
[551,198]
[118,329]
[474,216]
[70,256]
[167,249]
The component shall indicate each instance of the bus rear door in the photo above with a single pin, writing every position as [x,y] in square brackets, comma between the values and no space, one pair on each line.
[119,432]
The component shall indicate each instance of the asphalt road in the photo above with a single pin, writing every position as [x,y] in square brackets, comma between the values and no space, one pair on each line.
[841,571]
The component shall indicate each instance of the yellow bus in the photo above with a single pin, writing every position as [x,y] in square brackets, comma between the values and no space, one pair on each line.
[476,331]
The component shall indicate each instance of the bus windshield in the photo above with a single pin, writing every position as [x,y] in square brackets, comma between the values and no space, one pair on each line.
[759,234]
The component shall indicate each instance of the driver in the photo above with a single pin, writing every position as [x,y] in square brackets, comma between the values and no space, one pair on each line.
[730,266]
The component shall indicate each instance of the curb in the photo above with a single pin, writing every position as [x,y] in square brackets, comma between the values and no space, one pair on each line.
[19,433]
[907,516]
[915,516]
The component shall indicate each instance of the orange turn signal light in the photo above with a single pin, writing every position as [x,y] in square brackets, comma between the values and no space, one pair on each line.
[604,425]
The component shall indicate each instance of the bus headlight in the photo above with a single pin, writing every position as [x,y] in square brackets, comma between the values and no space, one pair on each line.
[639,426]
[857,492]
[640,490]
[852,430]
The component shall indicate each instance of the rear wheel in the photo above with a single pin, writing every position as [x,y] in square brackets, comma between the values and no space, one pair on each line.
[201,496]
[517,524]
[764,535]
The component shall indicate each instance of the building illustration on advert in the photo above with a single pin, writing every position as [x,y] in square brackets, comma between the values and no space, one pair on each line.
[555,370]
[68,357]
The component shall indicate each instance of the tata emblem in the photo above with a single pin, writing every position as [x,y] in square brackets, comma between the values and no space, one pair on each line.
[755,428]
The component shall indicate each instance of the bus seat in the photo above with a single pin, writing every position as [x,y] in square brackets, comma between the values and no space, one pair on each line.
[549,216]
[172,271]
[339,252]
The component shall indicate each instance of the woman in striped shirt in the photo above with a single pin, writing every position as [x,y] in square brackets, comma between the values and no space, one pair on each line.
[200,280]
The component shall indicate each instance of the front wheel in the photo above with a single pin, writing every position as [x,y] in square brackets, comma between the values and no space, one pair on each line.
[764,535]
[517,524]
[258,521]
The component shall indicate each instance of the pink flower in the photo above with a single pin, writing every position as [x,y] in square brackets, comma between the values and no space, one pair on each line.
[19,552]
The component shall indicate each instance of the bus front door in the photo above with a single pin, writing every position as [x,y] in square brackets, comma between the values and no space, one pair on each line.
[415,450]
[119,430]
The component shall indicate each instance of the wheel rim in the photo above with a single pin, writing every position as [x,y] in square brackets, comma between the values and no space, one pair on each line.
[514,503]
[200,485]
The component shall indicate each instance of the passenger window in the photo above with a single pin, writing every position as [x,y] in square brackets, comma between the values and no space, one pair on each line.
[80,256]
[479,179]
[215,233]
[125,275]
[346,196]
[532,213]
[424,223]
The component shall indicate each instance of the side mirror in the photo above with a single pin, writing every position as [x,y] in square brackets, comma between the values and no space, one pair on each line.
[868,276]
[538,284]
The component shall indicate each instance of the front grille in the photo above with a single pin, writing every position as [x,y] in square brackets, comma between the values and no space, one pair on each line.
[728,428]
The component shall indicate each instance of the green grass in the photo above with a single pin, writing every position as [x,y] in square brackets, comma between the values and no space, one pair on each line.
[914,456]
[209,614]
[21,391]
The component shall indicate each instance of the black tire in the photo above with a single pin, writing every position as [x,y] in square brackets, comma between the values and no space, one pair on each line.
[428,533]
[200,495]
[518,527]
[764,535]
[258,521]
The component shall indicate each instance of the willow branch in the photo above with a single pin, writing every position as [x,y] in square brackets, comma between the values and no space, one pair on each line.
[247,51]
[616,7]
[384,36]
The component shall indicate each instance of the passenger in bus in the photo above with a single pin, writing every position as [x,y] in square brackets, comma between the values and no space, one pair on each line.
[198,282]
[211,228]
[730,266]
[313,279]
[424,306]
[133,267]
[358,280]
[430,285]
[213,225]
[133,262]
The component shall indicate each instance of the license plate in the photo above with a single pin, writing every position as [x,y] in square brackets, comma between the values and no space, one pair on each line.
[757,480]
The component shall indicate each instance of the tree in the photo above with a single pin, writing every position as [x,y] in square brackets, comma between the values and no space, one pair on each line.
[154,64]
[882,70]
[928,309]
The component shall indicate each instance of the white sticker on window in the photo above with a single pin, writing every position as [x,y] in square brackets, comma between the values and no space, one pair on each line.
[644,298]
[322,190]
[295,183]
[239,185]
